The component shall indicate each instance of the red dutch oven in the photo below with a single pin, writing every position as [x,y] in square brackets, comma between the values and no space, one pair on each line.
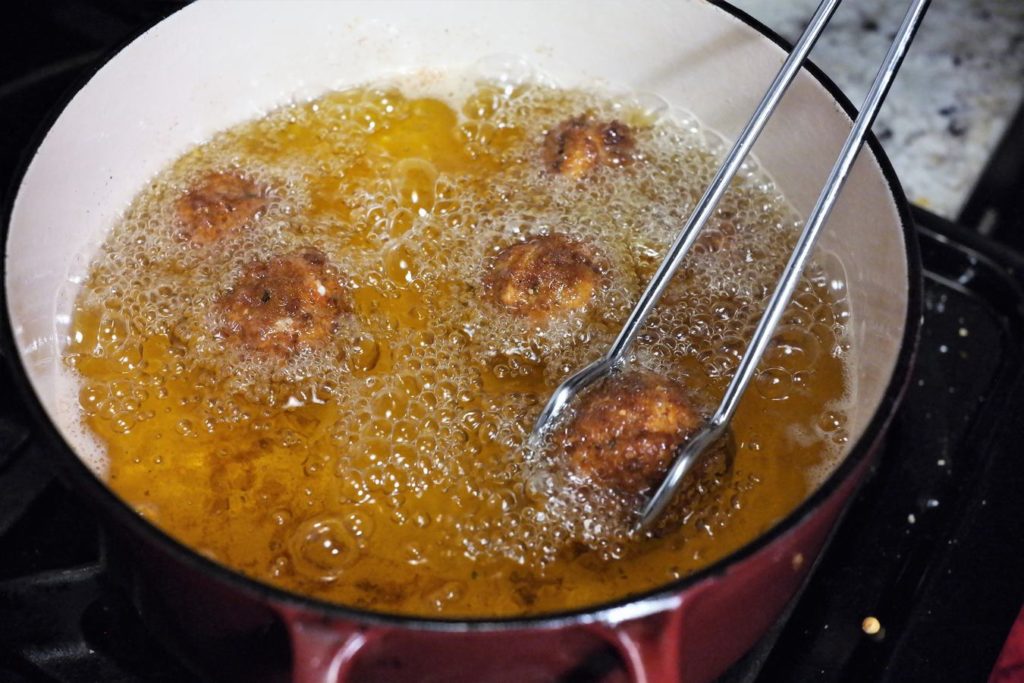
[213,65]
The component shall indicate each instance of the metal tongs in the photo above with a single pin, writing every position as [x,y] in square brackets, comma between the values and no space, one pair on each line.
[613,359]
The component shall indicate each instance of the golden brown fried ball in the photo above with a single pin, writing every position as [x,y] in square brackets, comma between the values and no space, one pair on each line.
[627,431]
[578,145]
[277,306]
[218,204]
[544,276]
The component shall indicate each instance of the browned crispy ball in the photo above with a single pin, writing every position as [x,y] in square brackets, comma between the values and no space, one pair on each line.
[627,431]
[277,306]
[543,276]
[218,204]
[578,145]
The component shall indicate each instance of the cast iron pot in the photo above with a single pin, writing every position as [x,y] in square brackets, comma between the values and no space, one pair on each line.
[213,65]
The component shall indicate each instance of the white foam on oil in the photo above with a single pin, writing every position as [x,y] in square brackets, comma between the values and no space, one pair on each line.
[418,237]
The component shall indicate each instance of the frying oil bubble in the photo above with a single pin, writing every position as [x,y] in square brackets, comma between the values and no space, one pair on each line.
[322,548]
[396,448]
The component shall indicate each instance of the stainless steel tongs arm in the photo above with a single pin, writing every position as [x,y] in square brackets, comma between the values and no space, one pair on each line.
[713,429]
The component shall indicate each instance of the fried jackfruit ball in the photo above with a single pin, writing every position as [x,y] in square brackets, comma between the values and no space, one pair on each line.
[577,146]
[627,431]
[543,277]
[218,204]
[277,306]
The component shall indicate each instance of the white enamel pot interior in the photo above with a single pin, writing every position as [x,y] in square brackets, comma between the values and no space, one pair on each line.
[215,64]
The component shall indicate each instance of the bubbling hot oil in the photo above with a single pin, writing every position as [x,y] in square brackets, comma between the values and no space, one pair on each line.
[386,471]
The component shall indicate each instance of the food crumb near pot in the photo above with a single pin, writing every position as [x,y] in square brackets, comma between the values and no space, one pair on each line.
[873,628]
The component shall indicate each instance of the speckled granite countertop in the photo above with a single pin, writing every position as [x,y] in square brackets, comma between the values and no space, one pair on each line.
[961,83]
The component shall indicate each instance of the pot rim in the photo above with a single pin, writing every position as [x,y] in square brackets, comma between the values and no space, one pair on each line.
[621,609]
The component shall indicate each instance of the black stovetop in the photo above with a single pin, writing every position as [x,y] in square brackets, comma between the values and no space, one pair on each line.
[933,547]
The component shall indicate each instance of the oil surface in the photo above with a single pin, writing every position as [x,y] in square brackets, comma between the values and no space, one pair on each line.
[387,469]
